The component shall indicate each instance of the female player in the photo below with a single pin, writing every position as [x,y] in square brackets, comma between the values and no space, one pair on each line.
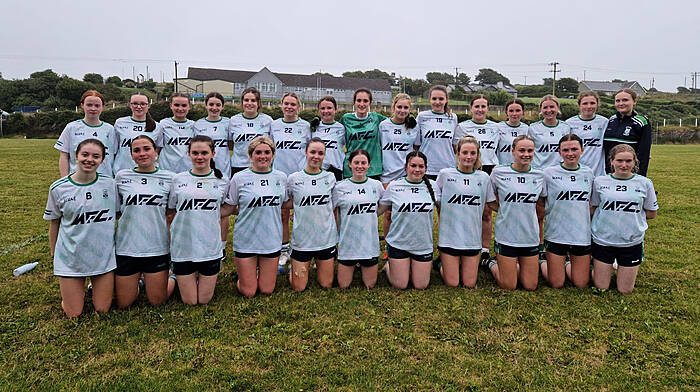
[510,129]
[333,134]
[290,134]
[513,194]
[628,127]
[81,209]
[362,131]
[90,127]
[127,128]
[486,132]
[355,200]
[315,233]
[547,132]
[567,226]
[256,196]
[177,133]
[590,127]
[142,232]
[195,235]
[397,136]
[410,238]
[462,199]
[246,126]
[623,202]
[436,132]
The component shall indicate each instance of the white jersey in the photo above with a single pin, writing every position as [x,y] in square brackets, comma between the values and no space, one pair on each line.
[462,197]
[314,225]
[77,131]
[620,219]
[357,218]
[195,234]
[333,135]
[259,197]
[488,136]
[143,197]
[397,141]
[411,227]
[591,132]
[126,129]
[242,130]
[517,193]
[567,208]
[218,132]
[506,134]
[436,136]
[290,144]
[85,244]
[547,142]
[176,141]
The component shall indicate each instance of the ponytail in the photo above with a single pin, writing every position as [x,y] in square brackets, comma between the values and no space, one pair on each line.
[430,188]
[150,122]
[217,172]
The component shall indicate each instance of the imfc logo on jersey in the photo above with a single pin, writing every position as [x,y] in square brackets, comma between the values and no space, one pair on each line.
[363,208]
[362,135]
[416,207]
[264,201]
[198,204]
[332,144]
[396,147]
[314,200]
[245,137]
[288,145]
[487,145]
[595,142]
[220,143]
[179,141]
[92,217]
[521,197]
[505,148]
[469,200]
[551,147]
[621,206]
[145,200]
[573,195]
[438,134]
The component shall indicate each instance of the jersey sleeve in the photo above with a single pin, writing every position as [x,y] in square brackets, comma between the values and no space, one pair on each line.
[459,133]
[439,183]
[544,186]
[650,202]
[172,197]
[595,197]
[289,190]
[52,212]
[63,142]
[419,133]
[644,147]
[232,192]
[491,189]
[335,196]
[386,196]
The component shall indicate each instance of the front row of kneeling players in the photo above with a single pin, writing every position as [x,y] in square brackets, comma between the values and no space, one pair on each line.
[165,216]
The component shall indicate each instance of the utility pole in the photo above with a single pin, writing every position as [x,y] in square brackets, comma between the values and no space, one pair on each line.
[554,79]
[175,80]
[456,73]
[584,75]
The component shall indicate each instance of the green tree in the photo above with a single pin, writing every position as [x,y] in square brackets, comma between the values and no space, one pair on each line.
[564,86]
[373,74]
[439,78]
[463,79]
[71,89]
[115,80]
[93,78]
[489,76]
[416,87]
[458,93]
[682,90]
[110,92]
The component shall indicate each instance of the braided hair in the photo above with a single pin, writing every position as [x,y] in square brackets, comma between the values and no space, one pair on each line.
[414,154]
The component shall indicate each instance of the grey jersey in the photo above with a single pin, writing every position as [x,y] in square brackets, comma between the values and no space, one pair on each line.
[567,208]
[461,197]
[126,129]
[218,132]
[411,227]
[77,131]
[591,132]
[357,218]
[397,141]
[314,225]
[486,133]
[547,142]
[87,212]
[195,234]
[143,197]
[517,193]
[259,197]
[333,135]
[436,134]
[176,141]
[242,130]
[619,219]
[290,144]
[506,134]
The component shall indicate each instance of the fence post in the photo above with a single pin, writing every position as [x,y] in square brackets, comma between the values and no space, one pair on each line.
[680,122]
[664,122]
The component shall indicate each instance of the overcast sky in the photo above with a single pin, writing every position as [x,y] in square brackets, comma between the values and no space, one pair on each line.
[634,40]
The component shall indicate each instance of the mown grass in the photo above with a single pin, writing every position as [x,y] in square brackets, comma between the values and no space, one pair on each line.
[382,339]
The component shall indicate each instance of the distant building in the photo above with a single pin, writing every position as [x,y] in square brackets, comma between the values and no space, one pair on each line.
[610,88]
[272,85]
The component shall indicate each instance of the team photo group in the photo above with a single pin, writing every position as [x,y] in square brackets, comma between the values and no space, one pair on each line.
[567,199]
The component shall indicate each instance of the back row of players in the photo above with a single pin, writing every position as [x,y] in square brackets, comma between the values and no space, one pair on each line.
[408,249]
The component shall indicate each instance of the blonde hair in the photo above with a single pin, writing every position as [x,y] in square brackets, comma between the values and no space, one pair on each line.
[518,139]
[399,97]
[470,140]
[293,95]
[585,94]
[623,148]
[258,141]
[549,97]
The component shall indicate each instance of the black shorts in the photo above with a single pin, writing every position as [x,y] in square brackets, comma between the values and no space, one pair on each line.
[487,168]
[459,252]
[628,256]
[566,249]
[243,255]
[306,256]
[235,170]
[431,177]
[363,262]
[130,265]
[395,253]
[206,268]
[516,251]
[338,173]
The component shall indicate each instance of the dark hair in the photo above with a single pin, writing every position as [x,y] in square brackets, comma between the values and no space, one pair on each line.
[214,94]
[569,137]
[590,93]
[256,93]
[362,90]
[315,139]
[94,141]
[150,122]
[329,99]
[206,139]
[357,152]
[515,101]
[414,154]
[447,97]
[139,137]
[179,94]
[478,96]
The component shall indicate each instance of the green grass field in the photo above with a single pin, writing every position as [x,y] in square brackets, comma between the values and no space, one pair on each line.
[438,339]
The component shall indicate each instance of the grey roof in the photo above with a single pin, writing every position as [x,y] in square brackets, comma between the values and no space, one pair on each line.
[607,86]
[296,80]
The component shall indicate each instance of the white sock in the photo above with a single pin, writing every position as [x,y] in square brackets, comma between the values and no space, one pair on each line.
[484,250]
